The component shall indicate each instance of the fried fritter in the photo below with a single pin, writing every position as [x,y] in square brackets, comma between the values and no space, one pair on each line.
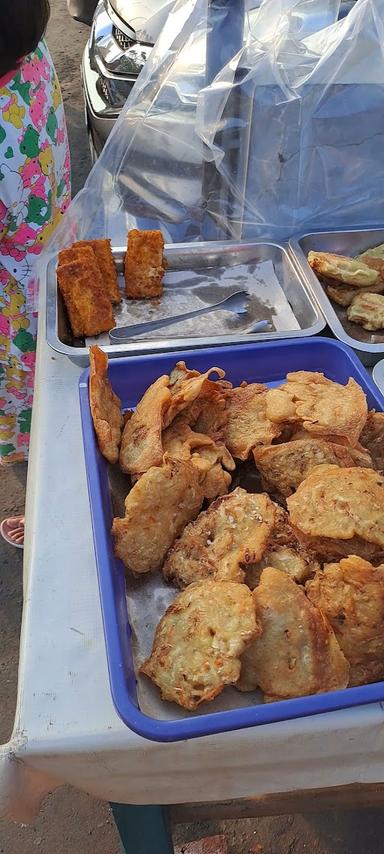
[340,511]
[351,595]
[89,309]
[105,406]
[144,265]
[180,442]
[320,405]
[367,309]
[342,269]
[297,652]
[375,252]
[284,467]
[141,444]
[247,424]
[224,540]
[342,295]
[372,438]
[376,264]
[185,386]
[199,641]
[107,266]
[157,509]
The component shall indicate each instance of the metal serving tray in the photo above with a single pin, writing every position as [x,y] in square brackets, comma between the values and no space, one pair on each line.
[378,375]
[197,258]
[368,345]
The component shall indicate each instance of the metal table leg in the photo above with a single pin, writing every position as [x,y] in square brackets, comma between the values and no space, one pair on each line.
[143,830]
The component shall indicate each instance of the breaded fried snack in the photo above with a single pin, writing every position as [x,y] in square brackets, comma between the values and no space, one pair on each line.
[89,309]
[104,257]
[199,641]
[367,309]
[141,444]
[372,438]
[247,424]
[343,269]
[340,511]
[105,406]
[144,265]
[297,652]
[351,595]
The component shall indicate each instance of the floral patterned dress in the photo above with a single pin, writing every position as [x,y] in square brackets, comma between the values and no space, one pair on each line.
[34,193]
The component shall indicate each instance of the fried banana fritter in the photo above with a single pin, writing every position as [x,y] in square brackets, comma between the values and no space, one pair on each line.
[104,258]
[351,595]
[199,641]
[342,269]
[105,406]
[340,511]
[89,309]
[284,467]
[372,438]
[297,652]
[144,265]
[367,309]
[141,444]
[157,509]
[319,405]
[224,540]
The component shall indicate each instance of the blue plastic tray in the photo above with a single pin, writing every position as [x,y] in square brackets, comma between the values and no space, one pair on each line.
[264,362]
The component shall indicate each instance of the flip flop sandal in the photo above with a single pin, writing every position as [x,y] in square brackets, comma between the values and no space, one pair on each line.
[12,531]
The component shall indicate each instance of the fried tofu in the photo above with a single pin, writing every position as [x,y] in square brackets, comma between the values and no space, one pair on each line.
[224,540]
[77,252]
[367,309]
[89,309]
[372,438]
[144,265]
[157,509]
[340,511]
[347,270]
[105,406]
[199,641]
[296,653]
[319,405]
[283,467]
[105,261]
[351,596]
[141,444]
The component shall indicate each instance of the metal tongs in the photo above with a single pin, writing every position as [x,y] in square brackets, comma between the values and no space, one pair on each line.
[237,302]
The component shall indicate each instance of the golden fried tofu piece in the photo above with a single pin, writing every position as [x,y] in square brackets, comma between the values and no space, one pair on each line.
[144,265]
[343,269]
[185,386]
[77,252]
[141,443]
[199,641]
[297,652]
[157,509]
[351,596]
[224,540]
[283,467]
[180,442]
[367,309]
[246,422]
[105,406]
[340,511]
[319,405]
[372,438]
[105,261]
[89,309]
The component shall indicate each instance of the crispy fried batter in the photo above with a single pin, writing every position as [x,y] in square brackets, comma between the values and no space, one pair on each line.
[225,539]
[105,406]
[372,438]
[375,252]
[320,405]
[337,512]
[89,309]
[104,257]
[186,386]
[351,595]
[157,509]
[199,641]
[367,309]
[247,424]
[182,443]
[284,467]
[141,444]
[144,265]
[297,652]
[342,269]
[77,252]
[375,264]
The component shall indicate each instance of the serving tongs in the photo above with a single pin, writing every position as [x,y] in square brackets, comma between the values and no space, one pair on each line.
[237,302]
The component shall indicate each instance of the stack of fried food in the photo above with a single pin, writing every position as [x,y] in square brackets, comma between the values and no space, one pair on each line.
[355,283]
[87,278]
[280,589]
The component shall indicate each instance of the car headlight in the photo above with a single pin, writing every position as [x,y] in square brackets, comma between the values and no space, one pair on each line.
[114,52]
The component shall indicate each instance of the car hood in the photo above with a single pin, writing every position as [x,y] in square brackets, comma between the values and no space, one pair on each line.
[146,17]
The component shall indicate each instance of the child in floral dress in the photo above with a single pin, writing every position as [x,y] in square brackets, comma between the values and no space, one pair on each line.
[34,193]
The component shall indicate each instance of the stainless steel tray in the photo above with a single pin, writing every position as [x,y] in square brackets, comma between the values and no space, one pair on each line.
[378,375]
[203,260]
[368,345]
